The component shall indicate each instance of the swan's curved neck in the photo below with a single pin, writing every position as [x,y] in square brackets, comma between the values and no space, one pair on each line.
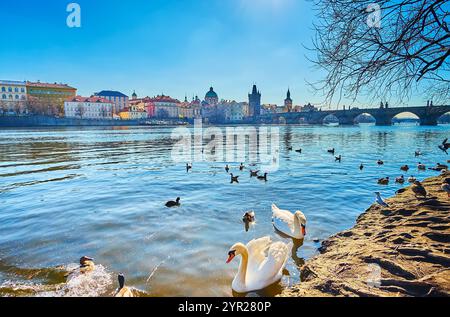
[243,267]
[297,225]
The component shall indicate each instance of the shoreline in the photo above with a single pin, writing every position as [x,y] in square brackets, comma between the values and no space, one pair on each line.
[403,250]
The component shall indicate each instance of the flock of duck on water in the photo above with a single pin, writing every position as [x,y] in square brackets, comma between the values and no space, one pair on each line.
[262,260]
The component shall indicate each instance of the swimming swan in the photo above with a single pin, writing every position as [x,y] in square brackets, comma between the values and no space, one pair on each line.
[262,264]
[293,225]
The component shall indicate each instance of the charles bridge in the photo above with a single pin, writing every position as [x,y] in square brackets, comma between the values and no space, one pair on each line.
[428,115]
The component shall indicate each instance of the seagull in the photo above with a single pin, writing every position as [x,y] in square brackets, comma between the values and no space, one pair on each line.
[380,200]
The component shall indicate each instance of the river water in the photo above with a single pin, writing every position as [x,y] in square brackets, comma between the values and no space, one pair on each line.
[101,192]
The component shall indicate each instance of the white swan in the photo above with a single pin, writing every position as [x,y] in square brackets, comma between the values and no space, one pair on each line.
[293,225]
[258,270]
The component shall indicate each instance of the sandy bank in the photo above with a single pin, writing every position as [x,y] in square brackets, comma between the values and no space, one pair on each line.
[403,250]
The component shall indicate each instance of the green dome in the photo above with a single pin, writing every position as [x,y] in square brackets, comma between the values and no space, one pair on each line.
[211,94]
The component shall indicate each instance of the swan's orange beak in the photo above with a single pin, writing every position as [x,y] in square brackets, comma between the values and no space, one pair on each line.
[303,230]
[231,256]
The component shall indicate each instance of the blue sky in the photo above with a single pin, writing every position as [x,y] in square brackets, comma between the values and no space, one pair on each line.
[174,47]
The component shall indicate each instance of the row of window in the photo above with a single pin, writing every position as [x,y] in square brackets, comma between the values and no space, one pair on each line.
[16,89]
[10,97]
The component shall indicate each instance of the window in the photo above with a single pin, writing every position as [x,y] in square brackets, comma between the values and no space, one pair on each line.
[3,89]
[9,89]
[10,97]
[16,89]
[4,97]
[17,97]
[22,90]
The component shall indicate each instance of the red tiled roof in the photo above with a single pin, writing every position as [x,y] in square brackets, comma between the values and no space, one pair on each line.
[48,85]
[93,99]
[163,98]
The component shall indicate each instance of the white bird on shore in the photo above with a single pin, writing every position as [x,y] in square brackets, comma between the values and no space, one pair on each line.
[262,263]
[293,225]
[380,200]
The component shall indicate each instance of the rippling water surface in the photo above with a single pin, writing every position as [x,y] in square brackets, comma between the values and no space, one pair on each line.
[65,193]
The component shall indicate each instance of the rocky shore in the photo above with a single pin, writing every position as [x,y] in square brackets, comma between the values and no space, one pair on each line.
[400,250]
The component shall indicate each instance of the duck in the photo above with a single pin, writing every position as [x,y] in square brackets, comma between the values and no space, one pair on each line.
[172,203]
[404,168]
[338,158]
[254,173]
[123,291]
[400,180]
[227,168]
[331,151]
[188,167]
[411,179]
[86,264]
[290,148]
[379,200]
[234,179]
[299,151]
[439,167]
[445,146]
[262,264]
[421,166]
[417,153]
[249,216]
[383,181]
[291,224]
[361,167]
[380,162]
[263,178]
[446,186]
[418,189]
[241,167]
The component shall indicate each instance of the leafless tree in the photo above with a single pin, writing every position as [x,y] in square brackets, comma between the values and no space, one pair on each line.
[407,52]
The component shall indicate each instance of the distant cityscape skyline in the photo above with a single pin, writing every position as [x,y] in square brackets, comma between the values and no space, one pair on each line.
[173,47]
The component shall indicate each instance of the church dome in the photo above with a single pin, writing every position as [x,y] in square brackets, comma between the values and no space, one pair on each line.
[211,94]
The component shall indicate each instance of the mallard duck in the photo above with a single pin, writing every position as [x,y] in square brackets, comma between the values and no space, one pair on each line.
[383,181]
[404,168]
[249,216]
[86,264]
[123,291]
[172,203]
[411,179]
[418,189]
[400,179]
